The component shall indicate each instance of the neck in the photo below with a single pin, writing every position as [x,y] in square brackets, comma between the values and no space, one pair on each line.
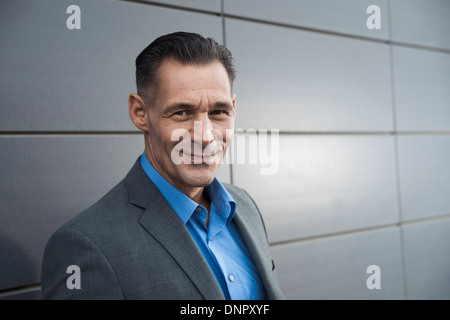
[202,198]
[197,195]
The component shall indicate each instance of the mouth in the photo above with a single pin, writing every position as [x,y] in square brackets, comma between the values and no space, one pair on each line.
[205,158]
[196,154]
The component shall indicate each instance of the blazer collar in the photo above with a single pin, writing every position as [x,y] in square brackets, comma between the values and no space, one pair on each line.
[162,222]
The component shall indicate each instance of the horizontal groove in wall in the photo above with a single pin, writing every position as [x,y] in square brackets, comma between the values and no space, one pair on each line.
[358,133]
[238,131]
[361,230]
[174,6]
[422,133]
[67,133]
[19,290]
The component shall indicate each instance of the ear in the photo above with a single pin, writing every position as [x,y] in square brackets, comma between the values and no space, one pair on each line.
[233,97]
[138,111]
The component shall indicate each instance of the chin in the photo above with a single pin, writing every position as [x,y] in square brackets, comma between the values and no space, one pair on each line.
[199,175]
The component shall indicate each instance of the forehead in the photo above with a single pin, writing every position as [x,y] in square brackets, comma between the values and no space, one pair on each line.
[176,79]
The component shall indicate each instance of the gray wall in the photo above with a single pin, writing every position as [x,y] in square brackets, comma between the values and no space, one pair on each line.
[363,116]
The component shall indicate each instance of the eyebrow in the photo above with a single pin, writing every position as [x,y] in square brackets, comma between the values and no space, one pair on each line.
[179,106]
[187,106]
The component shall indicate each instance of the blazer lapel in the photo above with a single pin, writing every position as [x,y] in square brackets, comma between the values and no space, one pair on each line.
[161,221]
[256,241]
[254,246]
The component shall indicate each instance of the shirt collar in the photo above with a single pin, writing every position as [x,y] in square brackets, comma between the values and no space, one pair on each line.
[182,204]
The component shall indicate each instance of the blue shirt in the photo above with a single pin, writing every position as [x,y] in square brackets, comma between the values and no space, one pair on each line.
[221,243]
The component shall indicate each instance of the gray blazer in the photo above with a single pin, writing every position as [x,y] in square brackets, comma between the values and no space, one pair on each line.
[132,245]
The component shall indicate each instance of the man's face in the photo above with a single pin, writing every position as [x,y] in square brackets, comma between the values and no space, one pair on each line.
[191,119]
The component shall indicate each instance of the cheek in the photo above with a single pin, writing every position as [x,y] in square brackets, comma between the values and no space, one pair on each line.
[168,143]
[225,135]
[161,138]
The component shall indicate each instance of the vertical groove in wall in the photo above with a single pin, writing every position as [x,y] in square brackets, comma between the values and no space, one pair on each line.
[396,151]
[224,41]
[222,15]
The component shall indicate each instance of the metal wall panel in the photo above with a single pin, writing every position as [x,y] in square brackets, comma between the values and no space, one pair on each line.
[55,79]
[325,184]
[424,175]
[295,80]
[427,259]
[343,16]
[421,22]
[336,267]
[45,181]
[422,89]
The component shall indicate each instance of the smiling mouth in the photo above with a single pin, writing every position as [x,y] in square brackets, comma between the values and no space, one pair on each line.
[201,158]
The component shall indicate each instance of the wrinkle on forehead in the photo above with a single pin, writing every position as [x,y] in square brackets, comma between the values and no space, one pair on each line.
[197,85]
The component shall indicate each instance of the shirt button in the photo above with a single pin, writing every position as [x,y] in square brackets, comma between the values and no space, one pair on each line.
[231,277]
[198,209]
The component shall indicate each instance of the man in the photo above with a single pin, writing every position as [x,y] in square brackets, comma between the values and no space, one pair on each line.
[170,229]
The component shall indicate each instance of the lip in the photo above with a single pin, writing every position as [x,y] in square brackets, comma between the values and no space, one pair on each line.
[193,155]
[201,158]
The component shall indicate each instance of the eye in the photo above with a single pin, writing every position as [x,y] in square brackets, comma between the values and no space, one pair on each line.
[218,112]
[180,113]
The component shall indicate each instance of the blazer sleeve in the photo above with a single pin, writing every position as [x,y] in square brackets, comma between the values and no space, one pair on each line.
[59,279]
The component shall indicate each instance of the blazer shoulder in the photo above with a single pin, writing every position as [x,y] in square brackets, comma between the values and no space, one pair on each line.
[104,212]
[241,195]
[235,190]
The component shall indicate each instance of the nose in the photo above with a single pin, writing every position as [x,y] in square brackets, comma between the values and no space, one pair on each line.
[203,128]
